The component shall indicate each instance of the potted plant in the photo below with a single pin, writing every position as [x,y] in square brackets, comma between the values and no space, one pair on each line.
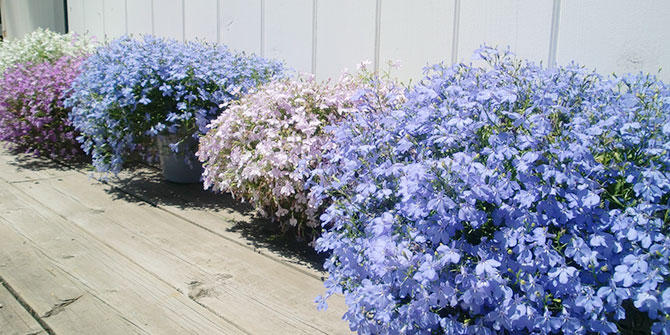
[263,148]
[131,91]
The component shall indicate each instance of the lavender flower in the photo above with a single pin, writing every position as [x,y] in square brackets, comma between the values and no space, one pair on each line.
[32,115]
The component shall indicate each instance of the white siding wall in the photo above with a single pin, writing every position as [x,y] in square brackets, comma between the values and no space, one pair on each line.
[345,35]
[287,32]
[20,17]
[524,25]
[326,36]
[616,35]
[415,33]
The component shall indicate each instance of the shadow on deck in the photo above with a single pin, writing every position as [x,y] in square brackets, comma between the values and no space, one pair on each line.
[149,256]
[143,183]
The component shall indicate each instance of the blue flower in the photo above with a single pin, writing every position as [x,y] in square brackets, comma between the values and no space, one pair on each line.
[488,267]
[130,90]
[538,197]
[563,274]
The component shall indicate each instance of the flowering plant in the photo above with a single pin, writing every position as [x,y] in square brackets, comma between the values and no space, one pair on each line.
[262,148]
[32,115]
[42,46]
[504,199]
[131,90]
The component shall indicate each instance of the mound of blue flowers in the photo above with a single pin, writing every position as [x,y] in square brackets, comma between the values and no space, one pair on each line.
[131,90]
[504,199]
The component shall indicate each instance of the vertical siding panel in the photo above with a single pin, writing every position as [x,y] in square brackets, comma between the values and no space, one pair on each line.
[75,16]
[168,18]
[616,36]
[115,18]
[241,25]
[415,33]
[288,31]
[54,15]
[345,35]
[524,25]
[93,18]
[200,20]
[21,17]
[58,15]
[553,39]
[139,17]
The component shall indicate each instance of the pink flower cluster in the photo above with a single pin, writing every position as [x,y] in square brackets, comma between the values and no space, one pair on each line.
[263,148]
[32,116]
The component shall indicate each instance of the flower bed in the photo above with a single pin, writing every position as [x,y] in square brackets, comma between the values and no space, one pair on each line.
[507,199]
[132,90]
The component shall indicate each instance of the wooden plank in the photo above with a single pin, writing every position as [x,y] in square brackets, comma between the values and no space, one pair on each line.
[416,33]
[345,36]
[524,25]
[616,36]
[140,17]
[14,319]
[200,20]
[138,295]
[168,16]
[25,168]
[114,13]
[218,213]
[257,293]
[46,288]
[240,26]
[288,32]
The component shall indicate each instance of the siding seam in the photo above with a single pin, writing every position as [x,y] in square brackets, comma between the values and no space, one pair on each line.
[553,39]
[456,31]
[378,18]
[183,20]
[262,28]
[125,17]
[153,21]
[314,31]
[83,17]
[102,18]
[218,21]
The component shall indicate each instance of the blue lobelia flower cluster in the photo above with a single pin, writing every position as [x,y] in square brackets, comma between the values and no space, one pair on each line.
[133,89]
[504,198]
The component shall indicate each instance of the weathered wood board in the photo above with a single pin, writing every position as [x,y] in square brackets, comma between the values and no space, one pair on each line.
[64,303]
[249,289]
[146,261]
[14,319]
[217,213]
[138,295]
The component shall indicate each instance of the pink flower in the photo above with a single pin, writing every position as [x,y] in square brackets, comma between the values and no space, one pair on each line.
[262,147]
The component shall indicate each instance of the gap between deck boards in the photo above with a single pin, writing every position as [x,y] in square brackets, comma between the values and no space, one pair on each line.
[21,306]
[316,274]
[195,289]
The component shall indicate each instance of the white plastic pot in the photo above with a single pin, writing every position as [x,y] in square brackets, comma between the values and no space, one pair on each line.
[181,166]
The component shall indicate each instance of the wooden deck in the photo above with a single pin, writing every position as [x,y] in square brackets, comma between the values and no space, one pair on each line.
[136,255]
